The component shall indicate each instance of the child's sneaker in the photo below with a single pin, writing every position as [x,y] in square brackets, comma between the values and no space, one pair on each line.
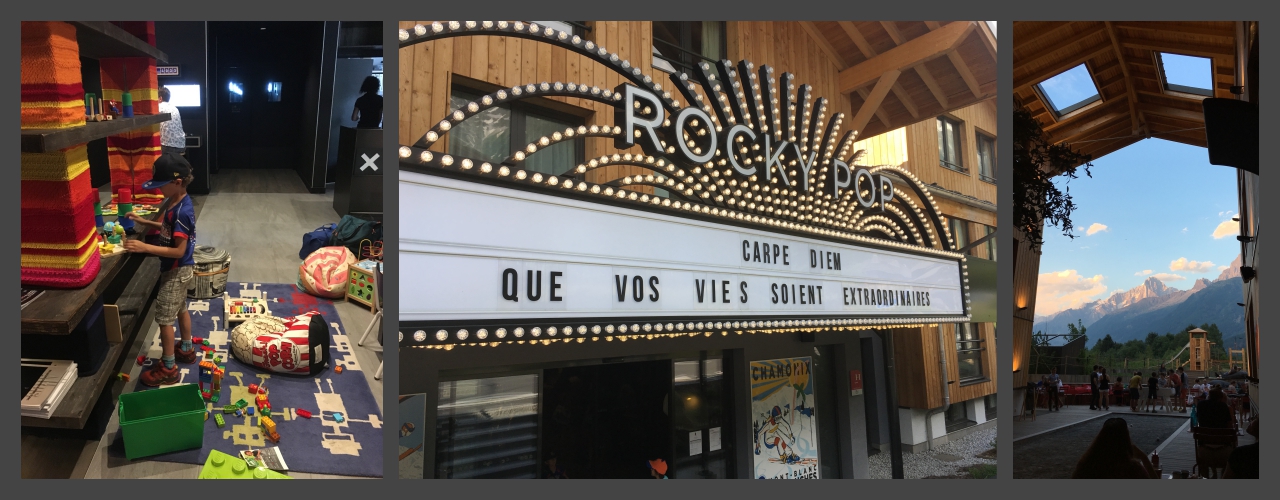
[184,357]
[158,375]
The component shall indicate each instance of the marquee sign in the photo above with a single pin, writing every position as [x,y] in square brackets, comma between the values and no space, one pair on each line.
[748,155]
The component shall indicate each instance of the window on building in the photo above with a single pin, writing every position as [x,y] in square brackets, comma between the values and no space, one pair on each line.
[949,150]
[986,158]
[959,231]
[1186,74]
[681,45]
[273,91]
[969,347]
[1069,90]
[495,133]
[991,243]
[472,444]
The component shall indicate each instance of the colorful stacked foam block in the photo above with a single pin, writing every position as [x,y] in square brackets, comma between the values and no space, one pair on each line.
[52,94]
[131,154]
[58,235]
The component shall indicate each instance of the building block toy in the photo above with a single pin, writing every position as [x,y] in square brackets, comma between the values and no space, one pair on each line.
[253,388]
[241,404]
[217,378]
[215,398]
[220,465]
[248,411]
[142,358]
[261,401]
[229,409]
[198,340]
[239,413]
[205,342]
[303,413]
[206,395]
[269,427]
[266,412]
[123,376]
[217,417]
[337,417]
[337,369]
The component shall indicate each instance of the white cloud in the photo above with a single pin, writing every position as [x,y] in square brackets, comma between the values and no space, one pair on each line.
[1223,268]
[1096,228]
[1143,272]
[1060,290]
[1225,229]
[1182,264]
[1167,277]
[1079,229]
[1184,230]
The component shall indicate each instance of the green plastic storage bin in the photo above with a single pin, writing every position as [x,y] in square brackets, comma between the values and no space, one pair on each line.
[162,420]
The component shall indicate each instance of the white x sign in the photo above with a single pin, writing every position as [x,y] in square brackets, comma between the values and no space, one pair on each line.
[368,162]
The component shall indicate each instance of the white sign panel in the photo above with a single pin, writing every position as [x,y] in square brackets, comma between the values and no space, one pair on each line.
[471,251]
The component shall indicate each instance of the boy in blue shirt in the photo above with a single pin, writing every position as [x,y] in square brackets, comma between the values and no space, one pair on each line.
[171,174]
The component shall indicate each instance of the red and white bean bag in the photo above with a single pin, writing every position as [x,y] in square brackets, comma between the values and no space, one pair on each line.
[324,272]
[297,345]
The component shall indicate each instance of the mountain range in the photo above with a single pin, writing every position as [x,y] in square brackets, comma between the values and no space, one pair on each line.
[1156,307]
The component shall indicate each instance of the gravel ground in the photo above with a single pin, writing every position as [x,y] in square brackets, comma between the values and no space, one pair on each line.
[1054,455]
[920,465]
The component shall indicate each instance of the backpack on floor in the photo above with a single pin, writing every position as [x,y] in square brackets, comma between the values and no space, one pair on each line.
[316,240]
[351,230]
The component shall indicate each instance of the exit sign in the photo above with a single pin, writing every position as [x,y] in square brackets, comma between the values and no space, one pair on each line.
[167,71]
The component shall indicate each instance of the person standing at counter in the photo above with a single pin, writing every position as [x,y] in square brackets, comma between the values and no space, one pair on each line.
[368,110]
[172,138]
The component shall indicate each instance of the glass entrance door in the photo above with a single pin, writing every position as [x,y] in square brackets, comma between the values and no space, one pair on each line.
[700,418]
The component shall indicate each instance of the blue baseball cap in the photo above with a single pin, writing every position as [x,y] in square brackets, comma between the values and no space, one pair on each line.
[167,168]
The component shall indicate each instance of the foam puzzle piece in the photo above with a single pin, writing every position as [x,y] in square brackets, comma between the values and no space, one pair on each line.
[220,465]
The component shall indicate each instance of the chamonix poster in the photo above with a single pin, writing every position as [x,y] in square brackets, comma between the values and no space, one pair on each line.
[783,423]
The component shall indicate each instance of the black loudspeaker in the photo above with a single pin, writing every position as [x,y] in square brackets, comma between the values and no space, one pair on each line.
[1231,130]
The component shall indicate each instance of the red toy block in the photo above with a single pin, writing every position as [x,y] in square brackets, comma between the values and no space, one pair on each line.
[206,395]
[205,348]
[196,340]
[337,369]
[253,388]
[142,358]
[303,413]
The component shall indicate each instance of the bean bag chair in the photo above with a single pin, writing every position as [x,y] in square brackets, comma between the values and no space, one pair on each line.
[297,345]
[324,272]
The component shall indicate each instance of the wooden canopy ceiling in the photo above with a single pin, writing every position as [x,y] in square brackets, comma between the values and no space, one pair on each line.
[1121,58]
[898,73]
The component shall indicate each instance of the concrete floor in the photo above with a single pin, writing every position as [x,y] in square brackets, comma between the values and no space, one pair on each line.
[259,216]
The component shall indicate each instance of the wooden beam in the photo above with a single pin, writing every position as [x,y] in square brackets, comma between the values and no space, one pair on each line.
[1190,49]
[1182,114]
[1134,118]
[1082,128]
[988,39]
[891,28]
[934,88]
[908,55]
[881,114]
[965,74]
[933,25]
[907,101]
[1096,134]
[1107,108]
[858,40]
[1048,71]
[1183,97]
[874,99]
[1190,28]
[1046,29]
[825,45]
[1047,51]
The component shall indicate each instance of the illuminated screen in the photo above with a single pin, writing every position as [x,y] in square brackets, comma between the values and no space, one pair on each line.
[184,96]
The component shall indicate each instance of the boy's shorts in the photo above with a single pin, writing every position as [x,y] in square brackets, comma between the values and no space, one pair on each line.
[172,295]
[1135,394]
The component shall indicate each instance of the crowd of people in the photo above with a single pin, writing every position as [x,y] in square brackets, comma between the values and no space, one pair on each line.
[1165,390]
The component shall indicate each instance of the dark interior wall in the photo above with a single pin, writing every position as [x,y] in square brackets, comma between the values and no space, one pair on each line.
[257,132]
[99,164]
[184,43]
[312,163]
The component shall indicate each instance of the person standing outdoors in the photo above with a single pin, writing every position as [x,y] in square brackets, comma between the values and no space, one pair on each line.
[1052,389]
[1104,389]
[1094,377]
[172,138]
[1135,391]
[1175,385]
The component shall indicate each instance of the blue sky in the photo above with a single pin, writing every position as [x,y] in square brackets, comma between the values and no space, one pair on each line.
[1187,70]
[1069,87]
[1154,209]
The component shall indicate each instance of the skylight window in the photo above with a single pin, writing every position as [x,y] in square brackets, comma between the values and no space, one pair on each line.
[1070,90]
[1187,74]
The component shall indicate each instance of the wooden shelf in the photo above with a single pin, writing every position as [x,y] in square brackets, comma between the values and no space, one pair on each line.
[77,405]
[58,311]
[46,140]
[99,39]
